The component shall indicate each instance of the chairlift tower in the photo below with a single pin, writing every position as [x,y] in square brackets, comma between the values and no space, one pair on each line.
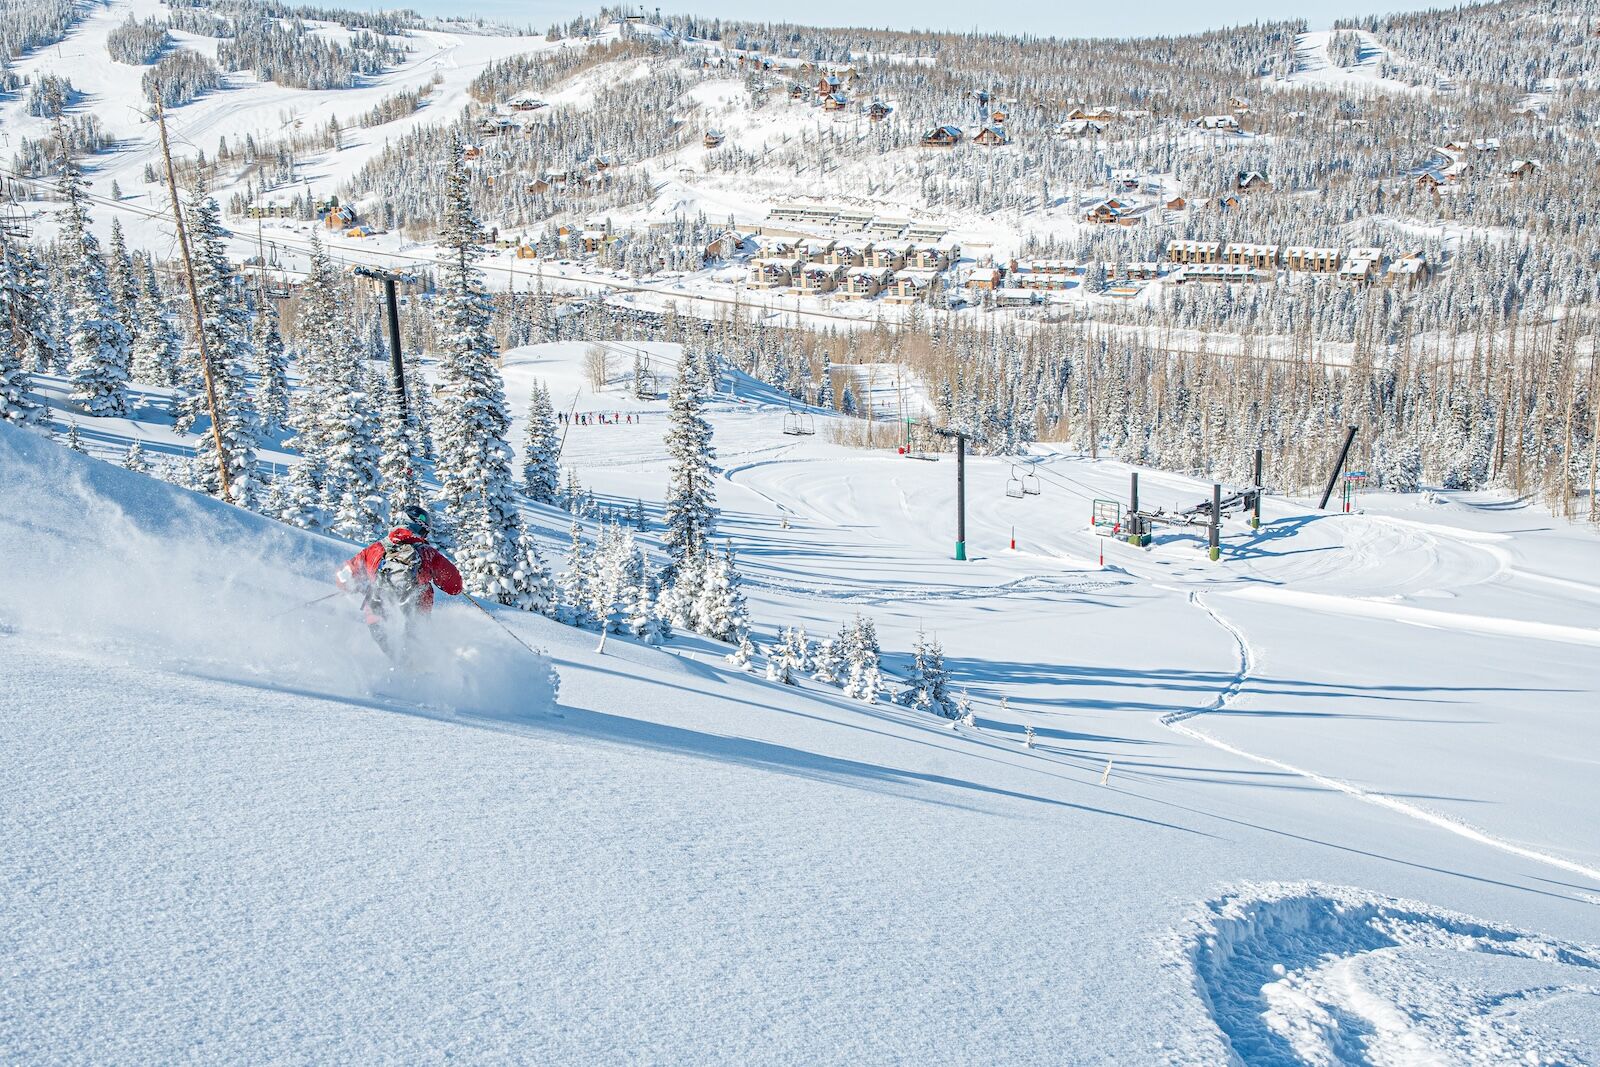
[390,279]
[961,490]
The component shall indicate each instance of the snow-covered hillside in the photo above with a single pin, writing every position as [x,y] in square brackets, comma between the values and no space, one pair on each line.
[740,752]
[1322,801]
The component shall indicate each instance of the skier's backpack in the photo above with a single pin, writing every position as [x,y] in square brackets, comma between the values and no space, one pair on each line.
[398,581]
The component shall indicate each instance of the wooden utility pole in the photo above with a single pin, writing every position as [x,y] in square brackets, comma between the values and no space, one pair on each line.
[194,303]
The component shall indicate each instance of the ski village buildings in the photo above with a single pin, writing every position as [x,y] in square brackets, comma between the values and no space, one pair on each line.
[846,254]
[855,254]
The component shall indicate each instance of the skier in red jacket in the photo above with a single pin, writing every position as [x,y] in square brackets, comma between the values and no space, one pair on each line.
[396,577]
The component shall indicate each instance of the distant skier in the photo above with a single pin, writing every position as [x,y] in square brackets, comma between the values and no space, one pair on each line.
[396,577]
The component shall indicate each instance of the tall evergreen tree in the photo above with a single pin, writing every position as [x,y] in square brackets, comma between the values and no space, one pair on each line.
[862,679]
[541,449]
[123,277]
[156,350]
[471,420]
[323,357]
[398,453]
[690,511]
[720,610]
[927,685]
[353,454]
[272,371]
[227,331]
[14,380]
[98,368]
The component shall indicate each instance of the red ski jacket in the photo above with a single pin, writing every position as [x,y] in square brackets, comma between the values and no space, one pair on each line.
[362,568]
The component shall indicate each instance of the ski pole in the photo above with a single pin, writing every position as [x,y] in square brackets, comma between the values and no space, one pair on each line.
[307,604]
[471,600]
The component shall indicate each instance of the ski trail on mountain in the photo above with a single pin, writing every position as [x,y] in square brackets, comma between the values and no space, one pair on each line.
[1178,722]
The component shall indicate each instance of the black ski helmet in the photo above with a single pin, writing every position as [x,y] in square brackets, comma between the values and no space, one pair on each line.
[416,520]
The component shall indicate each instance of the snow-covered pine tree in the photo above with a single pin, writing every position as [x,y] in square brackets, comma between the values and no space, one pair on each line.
[646,624]
[928,683]
[227,330]
[398,454]
[690,510]
[353,460]
[272,371]
[963,709]
[863,678]
[471,420]
[720,609]
[300,497]
[574,585]
[123,278]
[743,652]
[156,349]
[541,449]
[535,591]
[618,577]
[800,647]
[74,441]
[29,308]
[827,663]
[323,357]
[98,368]
[680,593]
[134,458]
[14,379]
[782,662]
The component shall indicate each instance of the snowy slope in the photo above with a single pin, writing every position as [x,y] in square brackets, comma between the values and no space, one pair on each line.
[1314,66]
[230,836]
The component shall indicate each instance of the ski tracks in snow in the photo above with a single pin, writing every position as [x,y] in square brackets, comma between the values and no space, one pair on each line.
[1319,974]
[1178,721]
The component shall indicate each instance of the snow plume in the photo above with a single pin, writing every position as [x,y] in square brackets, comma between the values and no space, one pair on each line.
[121,563]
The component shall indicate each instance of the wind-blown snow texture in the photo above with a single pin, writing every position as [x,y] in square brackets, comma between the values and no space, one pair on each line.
[229,837]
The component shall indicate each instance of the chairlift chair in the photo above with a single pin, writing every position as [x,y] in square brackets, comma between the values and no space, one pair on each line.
[799,424]
[1014,485]
[1030,483]
[15,224]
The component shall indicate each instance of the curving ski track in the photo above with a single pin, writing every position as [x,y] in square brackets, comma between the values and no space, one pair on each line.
[1178,722]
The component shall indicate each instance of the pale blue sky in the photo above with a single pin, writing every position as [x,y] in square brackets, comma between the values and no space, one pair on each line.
[1062,19]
